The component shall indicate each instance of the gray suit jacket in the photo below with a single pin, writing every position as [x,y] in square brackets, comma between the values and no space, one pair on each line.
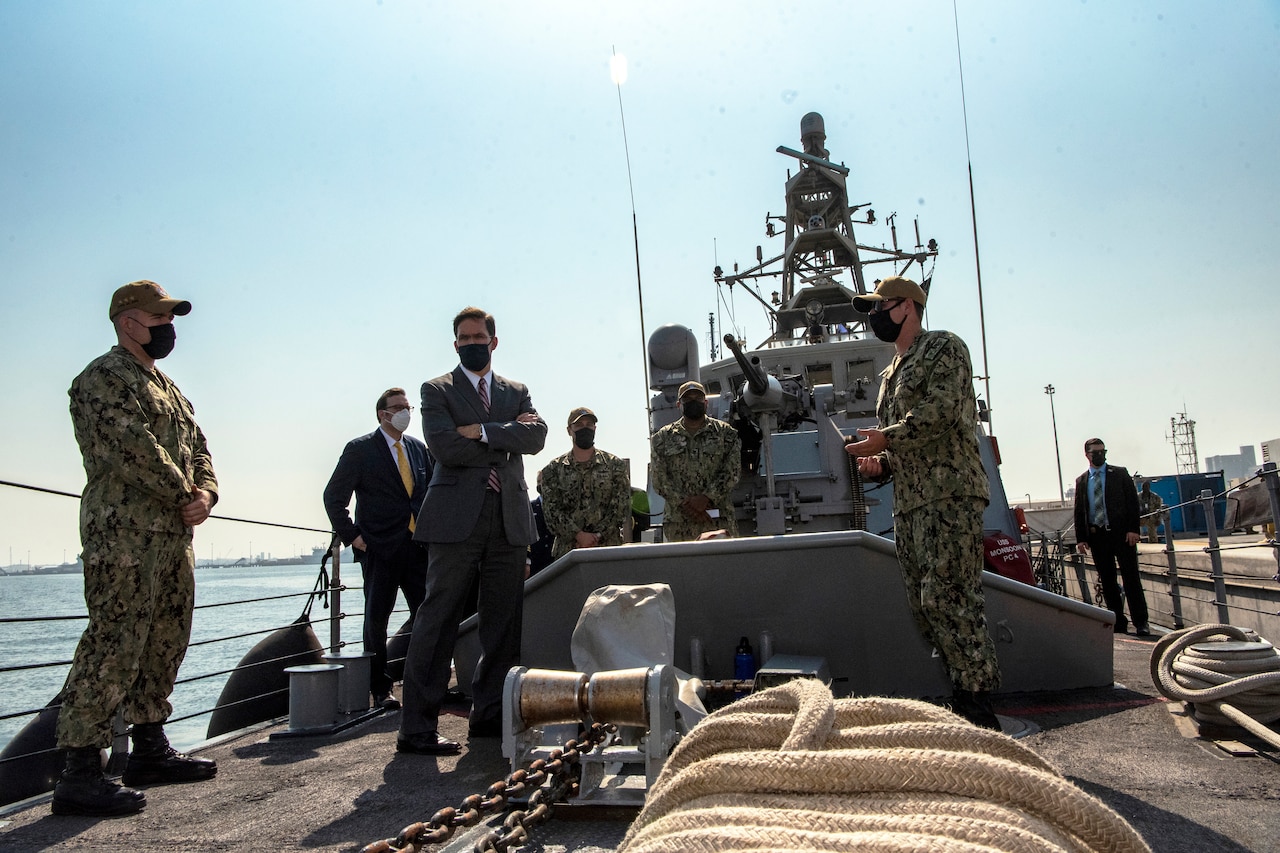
[456,493]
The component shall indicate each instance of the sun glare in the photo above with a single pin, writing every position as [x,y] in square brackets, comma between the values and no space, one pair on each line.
[618,69]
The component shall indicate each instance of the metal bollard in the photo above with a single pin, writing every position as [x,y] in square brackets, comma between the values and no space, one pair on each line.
[313,697]
[1215,557]
[353,680]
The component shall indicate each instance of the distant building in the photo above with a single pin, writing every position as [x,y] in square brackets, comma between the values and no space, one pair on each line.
[1236,466]
[1271,451]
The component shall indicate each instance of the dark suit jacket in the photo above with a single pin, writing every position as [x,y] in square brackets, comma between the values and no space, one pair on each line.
[456,494]
[1121,498]
[368,469]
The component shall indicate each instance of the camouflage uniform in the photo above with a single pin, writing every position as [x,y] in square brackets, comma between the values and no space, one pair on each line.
[707,462]
[927,412]
[143,455]
[593,497]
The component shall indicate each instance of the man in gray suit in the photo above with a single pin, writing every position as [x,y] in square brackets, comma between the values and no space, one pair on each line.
[477,519]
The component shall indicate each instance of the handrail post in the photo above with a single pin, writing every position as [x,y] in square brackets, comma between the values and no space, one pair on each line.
[335,585]
[1215,558]
[1272,479]
[1085,594]
[1170,555]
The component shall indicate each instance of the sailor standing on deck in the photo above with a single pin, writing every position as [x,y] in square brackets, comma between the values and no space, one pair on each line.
[150,481]
[926,442]
[695,463]
[586,493]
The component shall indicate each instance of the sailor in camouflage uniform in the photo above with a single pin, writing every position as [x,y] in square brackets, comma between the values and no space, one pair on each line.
[1150,505]
[695,463]
[586,493]
[927,444]
[150,480]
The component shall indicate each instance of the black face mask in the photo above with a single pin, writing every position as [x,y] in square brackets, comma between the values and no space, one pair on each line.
[1097,458]
[694,410]
[474,357]
[162,341]
[585,438]
[883,327]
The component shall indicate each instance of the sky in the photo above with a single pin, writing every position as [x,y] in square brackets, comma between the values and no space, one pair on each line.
[330,182]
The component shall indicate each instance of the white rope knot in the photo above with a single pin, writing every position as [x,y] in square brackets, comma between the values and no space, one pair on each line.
[792,769]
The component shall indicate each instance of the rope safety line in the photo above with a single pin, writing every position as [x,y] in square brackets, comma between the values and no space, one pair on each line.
[1207,678]
[792,769]
[63,494]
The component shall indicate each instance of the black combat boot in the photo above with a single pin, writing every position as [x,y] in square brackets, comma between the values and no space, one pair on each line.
[154,762]
[85,790]
[975,706]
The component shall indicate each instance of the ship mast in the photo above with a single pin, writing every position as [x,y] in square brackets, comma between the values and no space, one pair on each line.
[820,247]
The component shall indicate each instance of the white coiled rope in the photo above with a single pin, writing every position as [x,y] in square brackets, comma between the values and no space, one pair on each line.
[1230,674]
[792,769]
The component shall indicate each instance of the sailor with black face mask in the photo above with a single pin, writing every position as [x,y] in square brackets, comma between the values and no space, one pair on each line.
[927,443]
[586,493]
[695,463]
[150,481]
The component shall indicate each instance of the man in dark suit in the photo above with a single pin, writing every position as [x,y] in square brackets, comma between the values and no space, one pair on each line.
[477,518]
[388,472]
[1107,522]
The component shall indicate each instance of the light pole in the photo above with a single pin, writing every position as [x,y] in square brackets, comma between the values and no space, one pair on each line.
[1062,496]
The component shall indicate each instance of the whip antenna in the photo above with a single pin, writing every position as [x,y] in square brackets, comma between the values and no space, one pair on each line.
[618,71]
[973,213]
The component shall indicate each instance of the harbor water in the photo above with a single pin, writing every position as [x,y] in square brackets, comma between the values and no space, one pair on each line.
[277,596]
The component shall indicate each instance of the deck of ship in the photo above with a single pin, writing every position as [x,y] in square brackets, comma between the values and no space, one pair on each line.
[1123,744]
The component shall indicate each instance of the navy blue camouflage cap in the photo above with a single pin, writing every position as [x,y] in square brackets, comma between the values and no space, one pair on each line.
[146,296]
[893,287]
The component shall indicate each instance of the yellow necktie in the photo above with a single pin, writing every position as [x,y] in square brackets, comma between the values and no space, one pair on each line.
[406,477]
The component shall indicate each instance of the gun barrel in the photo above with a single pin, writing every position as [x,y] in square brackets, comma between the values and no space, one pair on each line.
[755,374]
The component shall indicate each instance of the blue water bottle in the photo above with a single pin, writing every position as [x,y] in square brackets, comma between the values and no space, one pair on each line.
[744,664]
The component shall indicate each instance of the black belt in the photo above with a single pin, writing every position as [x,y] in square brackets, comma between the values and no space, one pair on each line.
[1093,528]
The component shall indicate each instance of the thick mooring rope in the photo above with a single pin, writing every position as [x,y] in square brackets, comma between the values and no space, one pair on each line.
[1230,675]
[792,769]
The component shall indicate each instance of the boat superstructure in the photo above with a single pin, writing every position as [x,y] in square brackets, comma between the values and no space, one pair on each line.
[816,377]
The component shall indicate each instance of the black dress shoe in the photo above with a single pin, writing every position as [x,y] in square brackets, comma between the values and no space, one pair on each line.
[387,701]
[1122,628]
[485,728]
[1142,631]
[427,743]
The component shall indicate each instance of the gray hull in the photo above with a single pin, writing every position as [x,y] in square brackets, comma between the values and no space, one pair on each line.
[836,595]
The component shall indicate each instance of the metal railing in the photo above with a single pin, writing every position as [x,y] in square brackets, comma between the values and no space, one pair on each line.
[1184,587]
[328,589]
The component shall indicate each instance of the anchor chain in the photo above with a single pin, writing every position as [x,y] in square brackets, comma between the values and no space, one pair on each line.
[562,768]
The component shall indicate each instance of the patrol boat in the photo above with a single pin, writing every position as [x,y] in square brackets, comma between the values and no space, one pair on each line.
[812,572]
